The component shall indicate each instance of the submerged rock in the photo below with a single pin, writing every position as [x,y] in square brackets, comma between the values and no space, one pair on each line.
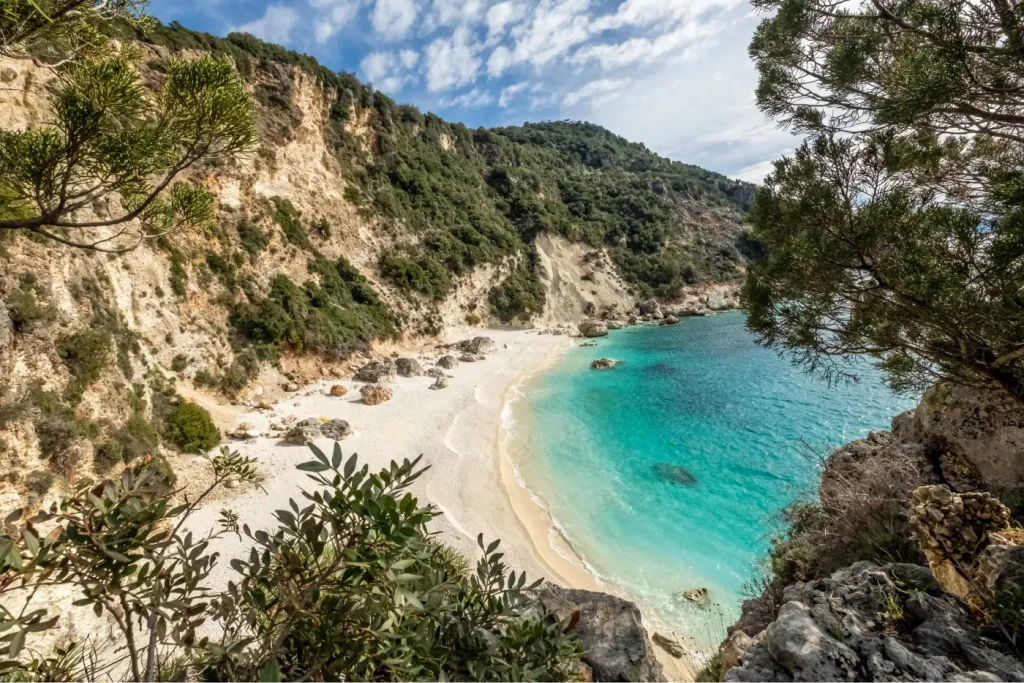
[698,596]
[669,320]
[377,371]
[604,364]
[677,474]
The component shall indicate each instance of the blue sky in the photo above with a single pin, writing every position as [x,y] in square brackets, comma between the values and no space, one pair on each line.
[673,74]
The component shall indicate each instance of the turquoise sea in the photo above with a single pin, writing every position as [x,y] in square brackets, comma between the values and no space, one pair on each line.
[699,399]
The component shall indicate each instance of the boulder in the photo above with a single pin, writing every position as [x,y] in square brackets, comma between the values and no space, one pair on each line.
[615,324]
[668,645]
[336,430]
[716,300]
[447,362]
[468,358]
[593,328]
[434,372]
[669,320]
[291,387]
[408,367]
[375,394]
[477,345]
[338,390]
[611,631]
[604,364]
[866,622]
[651,308]
[698,596]
[264,404]
[733,649]
[304,432]
[377,371]
[440,383]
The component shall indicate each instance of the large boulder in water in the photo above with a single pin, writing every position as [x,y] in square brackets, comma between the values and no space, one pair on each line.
[593,328]
[377,371]
[604,364]
[611,631]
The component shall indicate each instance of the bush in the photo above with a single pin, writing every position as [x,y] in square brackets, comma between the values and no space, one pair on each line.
[251,237]
[24,309]
[189,427]
[289,219]
[137,438]
[352,586]
[57,428]
[179,363]
[521,295]
[338,315]
[85,354]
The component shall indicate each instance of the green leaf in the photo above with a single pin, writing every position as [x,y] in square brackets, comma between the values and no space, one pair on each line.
[271,672]
[313,467]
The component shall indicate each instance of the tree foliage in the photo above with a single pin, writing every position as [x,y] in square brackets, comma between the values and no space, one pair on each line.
[348,586]
[112,145]
[896,229]
[61,29]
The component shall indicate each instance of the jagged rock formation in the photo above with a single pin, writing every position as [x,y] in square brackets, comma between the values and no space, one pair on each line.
[872,623]
[616,646]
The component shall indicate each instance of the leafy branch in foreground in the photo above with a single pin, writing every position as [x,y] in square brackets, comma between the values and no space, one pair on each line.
[349,586]
[60,29]
[112,143]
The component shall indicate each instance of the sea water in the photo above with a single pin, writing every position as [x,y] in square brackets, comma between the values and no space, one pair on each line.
[668,472]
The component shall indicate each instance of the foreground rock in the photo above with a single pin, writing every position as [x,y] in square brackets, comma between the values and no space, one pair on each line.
[447,362]
[604,364]
[377,371]
[408,367]
[304,432]
[375,394]
[867,622]
[593,328]
[440,383]
[338,390]
[611,631]
[336,430]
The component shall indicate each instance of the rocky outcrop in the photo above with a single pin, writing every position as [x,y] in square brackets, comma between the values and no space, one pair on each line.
[375,394]
[980,435]
[616,324]
[336,430]
[408,367]
[669,320]
[650,308]
[593,328]
[377,371]
[867,622]
[615,644]
[304,432]
[604,364]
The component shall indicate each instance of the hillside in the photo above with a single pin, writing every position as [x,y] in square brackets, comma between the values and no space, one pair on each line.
[358,223]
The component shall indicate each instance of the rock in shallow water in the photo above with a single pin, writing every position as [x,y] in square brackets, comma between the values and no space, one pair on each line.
[677,474]
[604,364]
[593,328]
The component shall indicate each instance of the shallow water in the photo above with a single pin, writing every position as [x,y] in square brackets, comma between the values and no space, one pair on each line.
[665,473]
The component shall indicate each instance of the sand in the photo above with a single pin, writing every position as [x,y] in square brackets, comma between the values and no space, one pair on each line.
[458,431]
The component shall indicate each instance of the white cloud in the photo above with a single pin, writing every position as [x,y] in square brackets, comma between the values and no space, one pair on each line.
[392,19]
[275,26]
[755,173]
[681,43]
[663,13]
[555,27]
[602,90]
[509,93]
[455,12]
[387,71]
[332,16]
[452,62]
[499,61]
[473,98]
[409,58]
[501,15]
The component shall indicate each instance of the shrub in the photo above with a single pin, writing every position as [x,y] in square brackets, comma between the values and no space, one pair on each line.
[351,586]
[251,237]
[85,354]
[24,309]
[137,438]
[179,362]
[189,427]
[521,295]
[57,428]
[289,219]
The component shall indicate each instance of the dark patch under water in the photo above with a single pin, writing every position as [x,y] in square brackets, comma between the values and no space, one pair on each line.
[677,474]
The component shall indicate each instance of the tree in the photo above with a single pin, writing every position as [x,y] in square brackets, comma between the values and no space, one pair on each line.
[896,229]
[112,144]
[60,29]
[349,586]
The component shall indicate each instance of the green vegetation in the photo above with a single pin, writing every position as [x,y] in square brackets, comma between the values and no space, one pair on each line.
[111,142]
[521,294]
[350,586]
[251,237]
[24,309]
[189,427]
[85,354]
[179,362]
[137,438]
[335,312]
[288,218]
[712,671]
[902,240]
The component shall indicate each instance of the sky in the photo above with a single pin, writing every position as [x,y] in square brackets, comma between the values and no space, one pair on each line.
[673,74]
